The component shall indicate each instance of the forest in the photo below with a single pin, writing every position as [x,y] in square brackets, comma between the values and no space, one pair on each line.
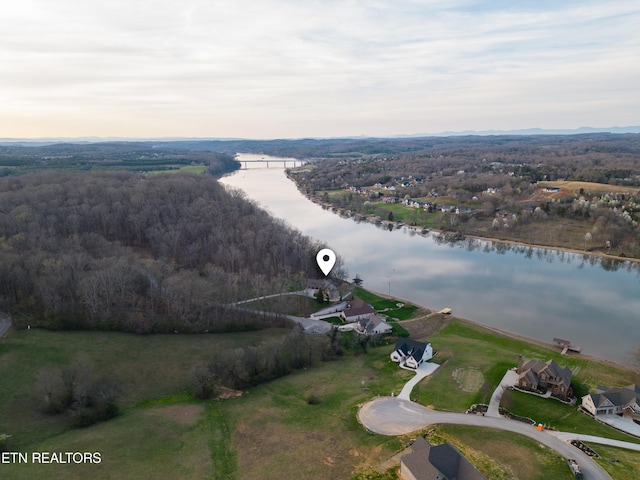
[140,253]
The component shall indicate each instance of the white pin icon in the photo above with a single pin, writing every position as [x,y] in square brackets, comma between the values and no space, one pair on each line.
[326,260]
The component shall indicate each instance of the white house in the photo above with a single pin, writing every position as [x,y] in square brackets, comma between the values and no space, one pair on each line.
[373,325]
[411,353]
[614,400]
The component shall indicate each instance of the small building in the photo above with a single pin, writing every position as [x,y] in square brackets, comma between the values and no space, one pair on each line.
[623,401]
[357,310]
[411,353]
[535,375]
[439,462]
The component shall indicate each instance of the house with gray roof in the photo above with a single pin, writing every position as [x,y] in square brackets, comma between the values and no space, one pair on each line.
[375,324]
[614,400]
[411,353]
[439,462]
[535,375]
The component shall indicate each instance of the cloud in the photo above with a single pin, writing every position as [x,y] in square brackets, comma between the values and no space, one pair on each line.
[285,68]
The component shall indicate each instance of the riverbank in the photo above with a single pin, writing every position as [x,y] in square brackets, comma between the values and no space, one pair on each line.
[438,323]
[357,216]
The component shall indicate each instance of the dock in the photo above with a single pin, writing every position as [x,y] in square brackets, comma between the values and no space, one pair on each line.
[445,311]
[566,346]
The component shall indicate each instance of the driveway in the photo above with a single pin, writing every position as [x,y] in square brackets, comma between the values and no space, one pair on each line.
[509,380]
[424,370]
[395,416]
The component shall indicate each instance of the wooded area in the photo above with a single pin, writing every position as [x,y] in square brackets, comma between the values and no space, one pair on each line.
[124,251]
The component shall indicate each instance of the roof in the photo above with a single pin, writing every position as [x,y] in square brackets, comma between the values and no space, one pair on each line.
[429,462]
[411,348]
[551,368]
[358,307]
[618,396]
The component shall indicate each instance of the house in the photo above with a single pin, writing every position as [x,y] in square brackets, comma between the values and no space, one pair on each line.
[373,325]
[439,462]
[614,400]
[330,289]
[411,353]
[357,310]
[535,375]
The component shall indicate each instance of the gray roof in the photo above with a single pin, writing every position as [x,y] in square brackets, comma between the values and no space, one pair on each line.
[618,396]
[411,348]
[430,462]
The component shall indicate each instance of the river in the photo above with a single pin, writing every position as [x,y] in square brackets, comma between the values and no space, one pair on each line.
[533,292]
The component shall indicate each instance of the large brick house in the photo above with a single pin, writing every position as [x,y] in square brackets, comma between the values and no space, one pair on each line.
[535,375]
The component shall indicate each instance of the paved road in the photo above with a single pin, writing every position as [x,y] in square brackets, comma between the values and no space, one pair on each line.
[395,416]
[5,323]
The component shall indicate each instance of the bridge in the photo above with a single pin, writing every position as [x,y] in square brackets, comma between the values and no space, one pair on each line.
[290,161]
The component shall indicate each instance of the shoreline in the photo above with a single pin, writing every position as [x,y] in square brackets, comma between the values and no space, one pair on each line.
[598,254]
[508,334]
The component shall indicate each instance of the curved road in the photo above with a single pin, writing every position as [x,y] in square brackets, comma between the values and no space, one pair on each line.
[395,416]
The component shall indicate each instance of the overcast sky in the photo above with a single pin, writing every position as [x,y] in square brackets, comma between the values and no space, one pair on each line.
[296,68]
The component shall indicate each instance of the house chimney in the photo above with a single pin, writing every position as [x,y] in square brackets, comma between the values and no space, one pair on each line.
[519,362]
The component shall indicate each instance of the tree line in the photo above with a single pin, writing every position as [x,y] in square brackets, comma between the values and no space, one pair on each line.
[125,251]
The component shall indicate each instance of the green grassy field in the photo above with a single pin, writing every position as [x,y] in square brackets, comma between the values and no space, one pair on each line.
[146,367]
[300,426]
[499,455]
[387,305]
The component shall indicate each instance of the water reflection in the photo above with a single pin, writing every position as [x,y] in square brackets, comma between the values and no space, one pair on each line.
[536,292]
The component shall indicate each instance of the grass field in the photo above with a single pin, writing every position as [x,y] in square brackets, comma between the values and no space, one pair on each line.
[146,367]
[499,455]
[590,187]
[391,307]
[300,426]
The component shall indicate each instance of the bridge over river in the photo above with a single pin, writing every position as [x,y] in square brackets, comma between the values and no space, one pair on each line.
[264,163]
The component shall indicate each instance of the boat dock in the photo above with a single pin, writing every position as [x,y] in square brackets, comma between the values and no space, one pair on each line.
[566,346]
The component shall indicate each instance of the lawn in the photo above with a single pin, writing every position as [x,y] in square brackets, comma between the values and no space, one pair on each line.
[303,425]
[461,345]
[391,307]
[145,367]
[499,455]
[161,443]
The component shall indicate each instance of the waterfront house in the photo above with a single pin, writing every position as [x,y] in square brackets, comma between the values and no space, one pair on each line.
[357,310]
[411,353]
[614,400]
[373,325]
[535,375]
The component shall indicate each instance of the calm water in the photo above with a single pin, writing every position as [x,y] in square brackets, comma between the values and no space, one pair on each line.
[532,292]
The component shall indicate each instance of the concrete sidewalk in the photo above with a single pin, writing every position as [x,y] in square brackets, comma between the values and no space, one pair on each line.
[424,370]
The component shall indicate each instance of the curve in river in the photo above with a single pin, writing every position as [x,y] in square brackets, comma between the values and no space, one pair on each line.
[533,292]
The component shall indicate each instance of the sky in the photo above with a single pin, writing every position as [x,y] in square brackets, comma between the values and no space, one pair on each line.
[314,68]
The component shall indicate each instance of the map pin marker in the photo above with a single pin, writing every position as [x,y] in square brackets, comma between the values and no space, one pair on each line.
[326,259]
